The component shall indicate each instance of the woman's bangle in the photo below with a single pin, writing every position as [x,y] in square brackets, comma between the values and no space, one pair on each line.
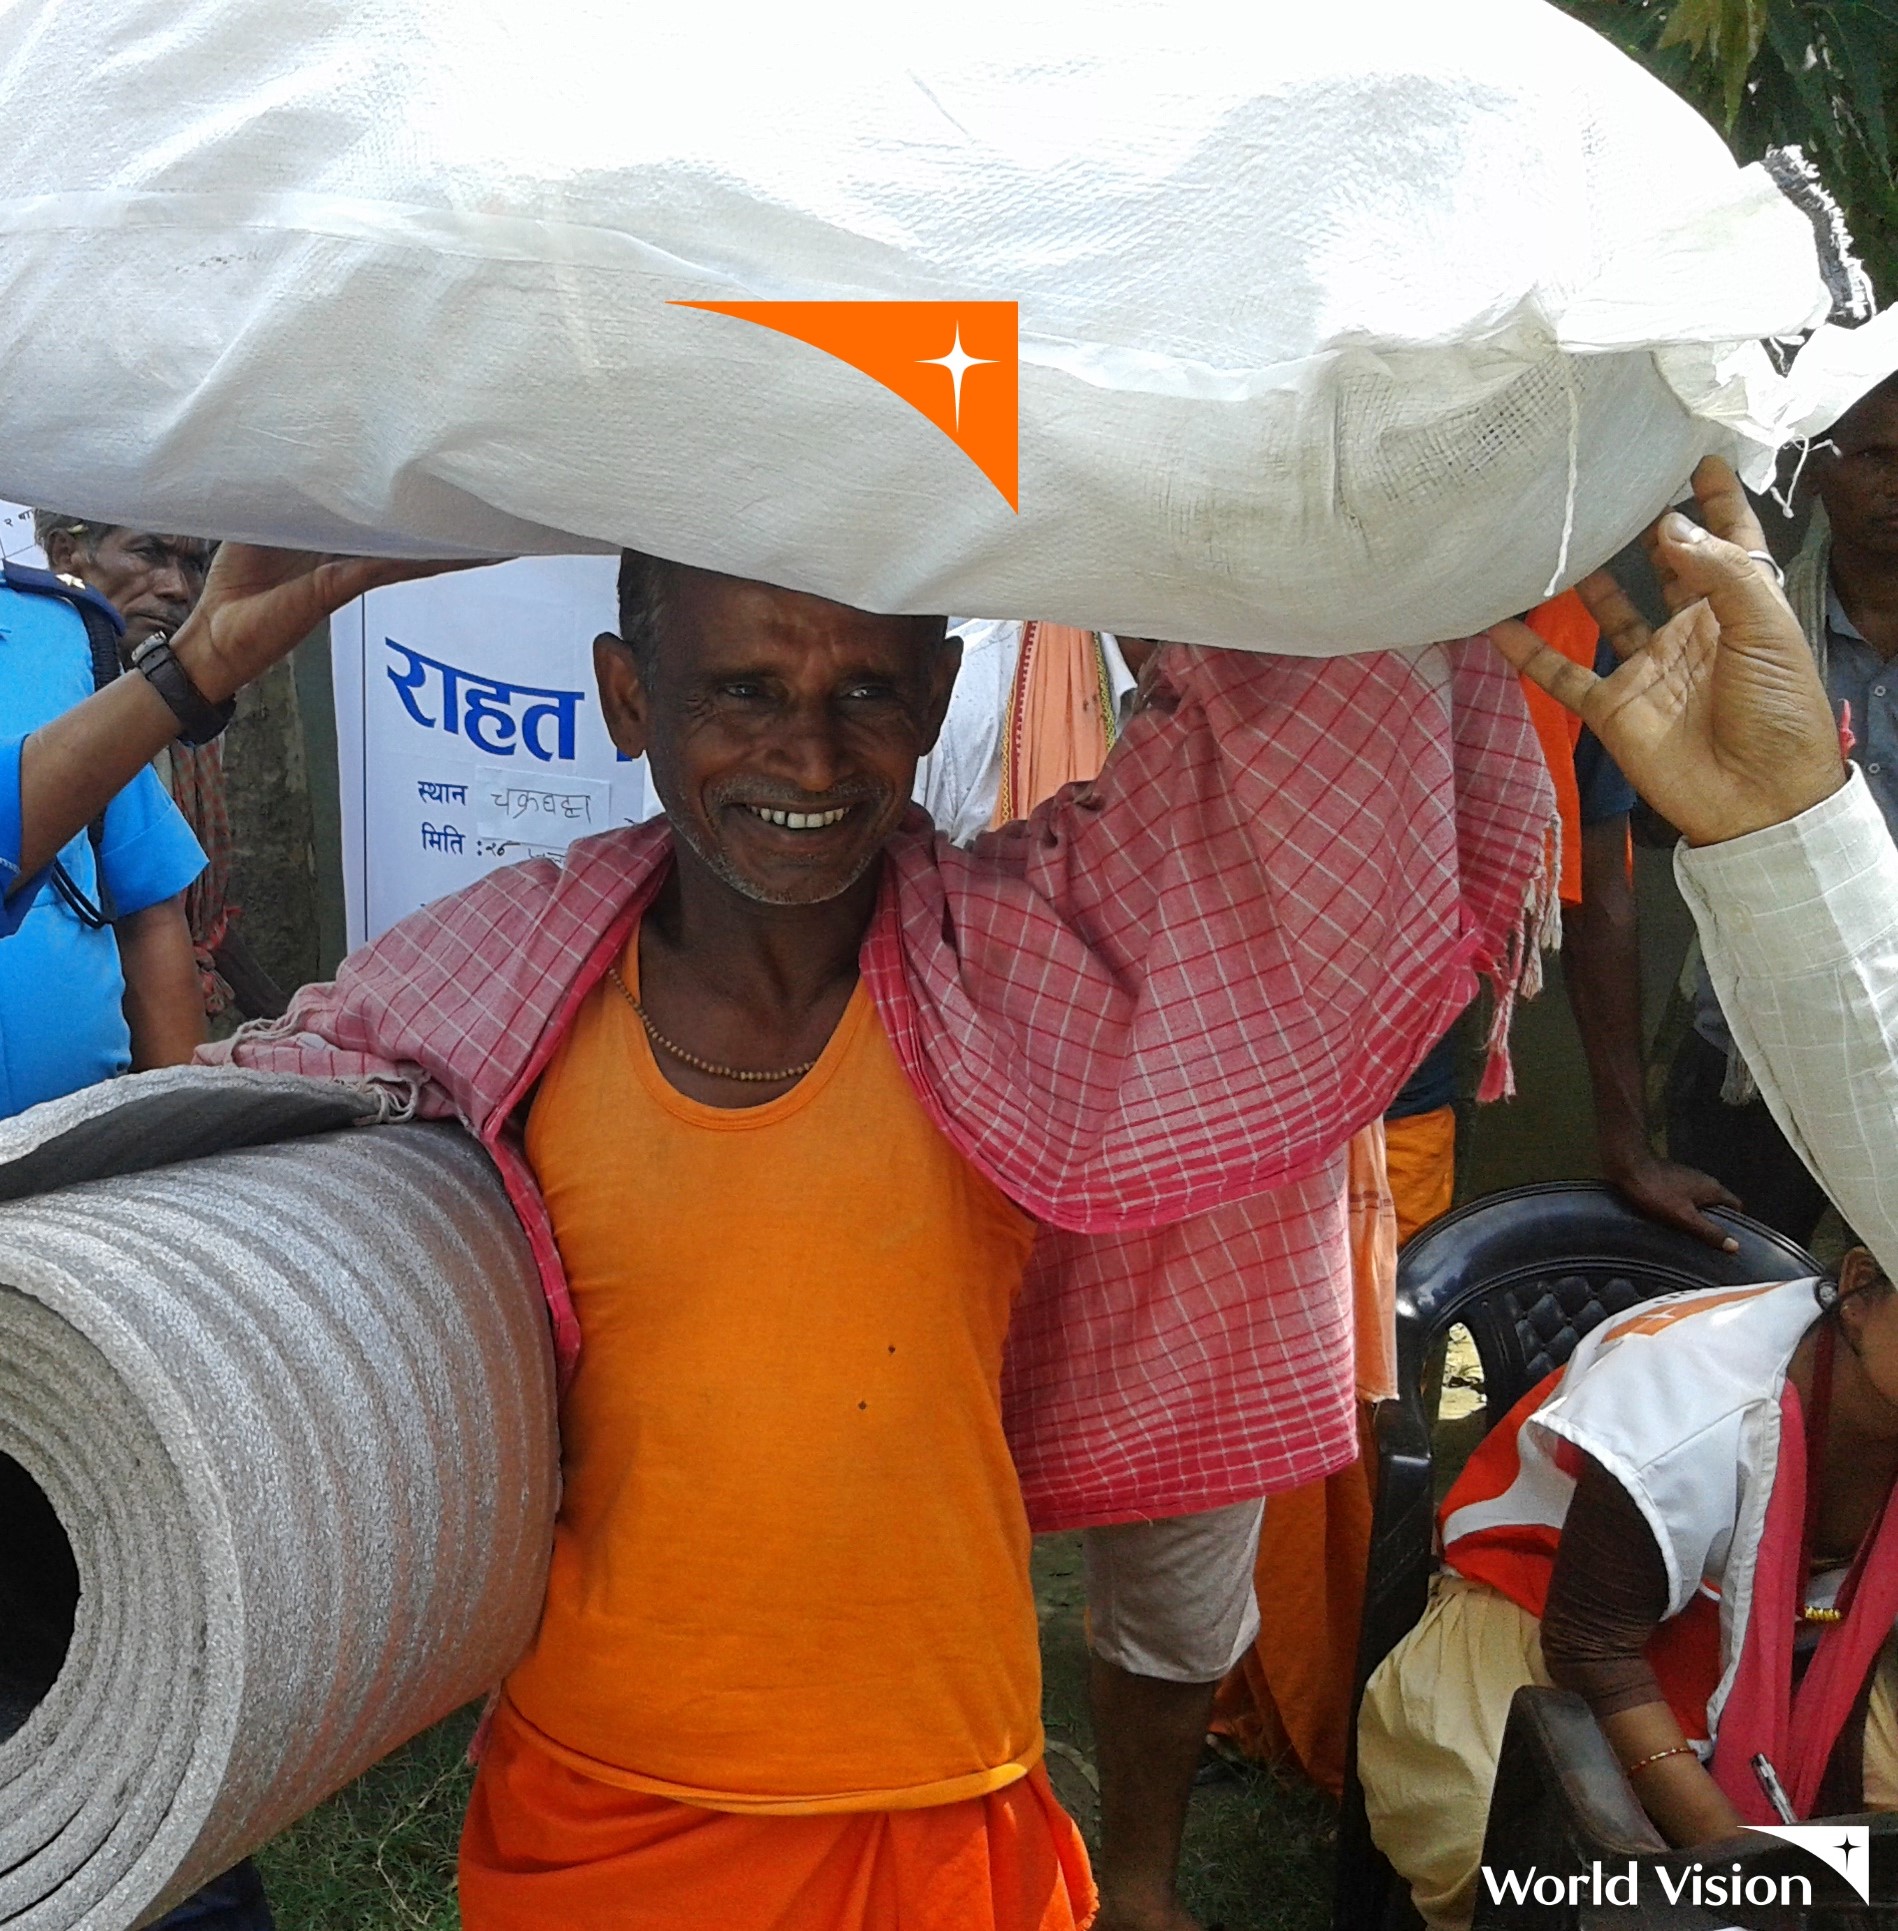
[1672,1750]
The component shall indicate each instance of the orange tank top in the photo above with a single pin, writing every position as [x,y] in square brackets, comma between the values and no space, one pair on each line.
[790,1571]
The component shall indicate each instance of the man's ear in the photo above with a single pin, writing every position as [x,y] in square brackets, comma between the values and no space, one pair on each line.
[61,546]
[623,698]
[942,683]
[1859,1269]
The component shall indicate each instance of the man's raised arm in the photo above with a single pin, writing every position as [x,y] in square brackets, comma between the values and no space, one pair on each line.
[1719,720]
[257,605]
[1196,977]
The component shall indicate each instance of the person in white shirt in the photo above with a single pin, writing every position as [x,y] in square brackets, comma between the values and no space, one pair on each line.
[960,782]
[1704,1491]
[1720,721]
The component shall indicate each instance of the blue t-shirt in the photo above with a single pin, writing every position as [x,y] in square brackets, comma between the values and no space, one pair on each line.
[62,1019]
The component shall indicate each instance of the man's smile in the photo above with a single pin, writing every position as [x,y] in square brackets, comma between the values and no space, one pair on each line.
[800,820]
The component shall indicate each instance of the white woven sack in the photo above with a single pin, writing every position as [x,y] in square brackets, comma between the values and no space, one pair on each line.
[1340,326]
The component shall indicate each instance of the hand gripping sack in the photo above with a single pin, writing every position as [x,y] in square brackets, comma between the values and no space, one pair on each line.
[1339,327]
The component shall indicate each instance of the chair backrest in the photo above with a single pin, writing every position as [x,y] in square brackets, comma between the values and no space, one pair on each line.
[1528,1272]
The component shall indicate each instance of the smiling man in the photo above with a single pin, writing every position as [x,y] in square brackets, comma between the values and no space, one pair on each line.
[783,1087]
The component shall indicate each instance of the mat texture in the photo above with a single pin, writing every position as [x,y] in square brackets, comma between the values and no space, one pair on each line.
[277,1473]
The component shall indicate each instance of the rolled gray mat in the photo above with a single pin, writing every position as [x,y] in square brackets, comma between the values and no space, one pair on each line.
[277,1490]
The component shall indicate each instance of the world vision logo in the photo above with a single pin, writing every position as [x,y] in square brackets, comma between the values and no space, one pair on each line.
[953,362]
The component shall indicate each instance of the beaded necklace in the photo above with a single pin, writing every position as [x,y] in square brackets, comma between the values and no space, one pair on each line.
[697,1064]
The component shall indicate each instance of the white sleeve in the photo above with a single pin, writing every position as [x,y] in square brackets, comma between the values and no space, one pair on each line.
[1799,925]
[958,782]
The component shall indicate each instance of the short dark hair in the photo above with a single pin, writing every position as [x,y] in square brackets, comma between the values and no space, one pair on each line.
[50,523]
[642,604]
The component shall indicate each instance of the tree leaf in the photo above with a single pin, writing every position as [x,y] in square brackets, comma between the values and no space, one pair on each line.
[1868,49]
[1792,38]
[1694,24]
[1821,74]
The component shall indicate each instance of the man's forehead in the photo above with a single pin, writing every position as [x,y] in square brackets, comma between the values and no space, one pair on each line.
[185,546]
[733,615]
[1871,423]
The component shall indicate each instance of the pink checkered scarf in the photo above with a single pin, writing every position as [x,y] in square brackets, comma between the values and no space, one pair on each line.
[1176,988]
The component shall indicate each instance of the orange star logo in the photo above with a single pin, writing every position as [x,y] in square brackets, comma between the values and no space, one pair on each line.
[953,362]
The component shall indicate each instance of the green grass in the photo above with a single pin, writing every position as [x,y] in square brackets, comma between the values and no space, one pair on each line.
[380,1856]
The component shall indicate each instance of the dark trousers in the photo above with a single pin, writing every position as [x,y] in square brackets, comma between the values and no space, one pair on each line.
[233,1902]
[1741,1146]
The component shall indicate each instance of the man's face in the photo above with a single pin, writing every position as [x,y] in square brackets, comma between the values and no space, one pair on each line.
[782,731]
[154,582]
[1859,485]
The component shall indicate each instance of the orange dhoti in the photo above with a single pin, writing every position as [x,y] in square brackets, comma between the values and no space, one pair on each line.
[545,1846]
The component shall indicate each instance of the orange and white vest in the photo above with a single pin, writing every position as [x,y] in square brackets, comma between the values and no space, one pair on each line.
[1679,1400]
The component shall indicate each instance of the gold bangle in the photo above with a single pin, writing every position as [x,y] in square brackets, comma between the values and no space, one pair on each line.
[1672,1750]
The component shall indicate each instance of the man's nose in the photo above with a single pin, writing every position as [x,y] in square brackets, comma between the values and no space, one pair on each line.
[174,584]
[811,749]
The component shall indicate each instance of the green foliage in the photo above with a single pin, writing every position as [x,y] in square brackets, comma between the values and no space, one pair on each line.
[379,1856]
[1818,74]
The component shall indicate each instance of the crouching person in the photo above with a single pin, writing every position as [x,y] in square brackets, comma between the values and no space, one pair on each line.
[1690,1527]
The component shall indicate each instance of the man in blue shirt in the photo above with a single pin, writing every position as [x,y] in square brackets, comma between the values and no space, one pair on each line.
[96,971]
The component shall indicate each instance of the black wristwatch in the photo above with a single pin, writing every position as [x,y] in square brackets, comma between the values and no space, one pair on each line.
[199,720]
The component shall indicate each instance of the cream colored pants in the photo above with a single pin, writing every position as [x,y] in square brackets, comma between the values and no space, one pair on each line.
[1174,1598]
[1431,1730]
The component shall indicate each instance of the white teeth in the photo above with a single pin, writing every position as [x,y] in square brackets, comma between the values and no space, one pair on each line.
[800,820]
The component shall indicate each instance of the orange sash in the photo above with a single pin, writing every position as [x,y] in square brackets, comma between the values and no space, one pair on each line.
[546,1847]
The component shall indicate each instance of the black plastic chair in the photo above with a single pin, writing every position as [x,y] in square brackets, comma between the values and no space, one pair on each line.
[1528,1273]
[1563,1805]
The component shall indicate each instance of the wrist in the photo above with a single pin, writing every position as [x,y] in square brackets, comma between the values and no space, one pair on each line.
[1792,801]
[1622,1151]
[198,719]
[199,659]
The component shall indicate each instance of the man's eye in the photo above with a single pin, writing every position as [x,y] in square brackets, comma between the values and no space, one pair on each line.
[742,690]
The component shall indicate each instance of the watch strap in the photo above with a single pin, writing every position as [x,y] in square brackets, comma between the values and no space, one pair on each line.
[199,720]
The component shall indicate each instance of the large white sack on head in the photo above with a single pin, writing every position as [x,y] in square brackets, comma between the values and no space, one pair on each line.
[1340,326]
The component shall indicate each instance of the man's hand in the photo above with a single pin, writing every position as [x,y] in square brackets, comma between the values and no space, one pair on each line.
[1718,718]
[259,604]
[1674,1195]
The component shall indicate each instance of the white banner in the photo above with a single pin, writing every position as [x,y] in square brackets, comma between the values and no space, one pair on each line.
[16,537]
[469,732]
